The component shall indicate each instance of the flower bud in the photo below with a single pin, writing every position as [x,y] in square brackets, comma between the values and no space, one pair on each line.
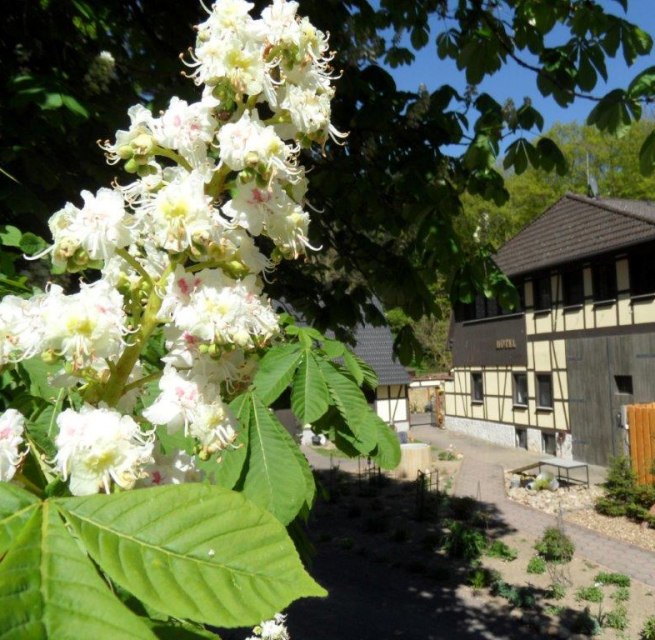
[125,152]
[143,144]
[49,356]
[131,166]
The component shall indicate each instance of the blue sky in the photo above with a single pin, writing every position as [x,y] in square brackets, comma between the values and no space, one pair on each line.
[516,83]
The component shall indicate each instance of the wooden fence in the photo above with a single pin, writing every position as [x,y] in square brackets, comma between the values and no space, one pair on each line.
[641,421]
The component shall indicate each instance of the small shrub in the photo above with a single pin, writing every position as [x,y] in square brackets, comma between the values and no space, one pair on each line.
[521,597]
[608,507]
[620,488]
[590,594]
[617,618]
[644,495]
[617,579]
[585,623]
[555,546]
[447,455]
[482,578]
[556,591]
[537,565]
[463,542]
[498,549]
[622,594]
[648,630]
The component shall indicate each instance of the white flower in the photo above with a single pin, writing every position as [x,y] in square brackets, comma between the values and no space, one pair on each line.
[179,214]
[248,143]
[137,140]
[12,424]
[274,629]
[188,128]
[176,468]
[213,426]
[96,446]
[176,403]
[84,326]
[21,328]
[102,71]
[100,227]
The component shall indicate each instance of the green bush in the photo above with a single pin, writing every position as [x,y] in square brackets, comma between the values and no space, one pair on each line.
[555,546]
[608,507]
[621,480]
[617,579]
[648,631]
[498,549]
[590,594]
[644,495]
[622,594]
[463,542]
[482,578]
[537,565]
[617,618]
[585,623]
[556,591]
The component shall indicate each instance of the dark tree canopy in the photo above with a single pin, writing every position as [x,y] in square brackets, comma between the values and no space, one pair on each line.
[388,199]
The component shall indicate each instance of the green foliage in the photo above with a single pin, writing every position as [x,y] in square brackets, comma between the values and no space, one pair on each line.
[623,496]
[617,618]
[590,594]
[482,577]
[537,565]
[557,591]
[555,546]
[622,594]
[154,543]
[617,579]
[648,630]
[521,597]
[498,549]
[586,624]
[463,542]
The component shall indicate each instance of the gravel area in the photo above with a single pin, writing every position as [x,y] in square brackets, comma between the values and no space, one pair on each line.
[577,506]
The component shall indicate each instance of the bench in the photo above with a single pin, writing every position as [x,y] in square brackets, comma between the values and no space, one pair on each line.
[566,466]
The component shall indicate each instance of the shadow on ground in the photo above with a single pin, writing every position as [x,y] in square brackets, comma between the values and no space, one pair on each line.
[379,554]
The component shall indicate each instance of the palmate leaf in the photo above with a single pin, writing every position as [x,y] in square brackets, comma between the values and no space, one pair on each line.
[50,589]
[351,404]
[387,451]
[193,551]
[309,394]
[16,508]
[274,478]
[276,371]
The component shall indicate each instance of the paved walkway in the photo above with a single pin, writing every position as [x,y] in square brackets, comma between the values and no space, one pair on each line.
[481,476]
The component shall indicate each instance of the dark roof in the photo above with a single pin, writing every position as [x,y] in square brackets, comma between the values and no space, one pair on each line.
[375,346]
[574,228]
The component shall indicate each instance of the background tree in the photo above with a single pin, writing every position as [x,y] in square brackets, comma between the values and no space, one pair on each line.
[389,199]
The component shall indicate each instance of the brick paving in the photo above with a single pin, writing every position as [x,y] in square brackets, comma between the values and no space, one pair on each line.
[482,476]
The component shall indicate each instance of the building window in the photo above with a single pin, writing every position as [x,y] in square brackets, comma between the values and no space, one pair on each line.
[544,391]
[603,277]
[642,274]
[521,438]
[549,443]
[477,388]
[520,391]
[541,293]
[572,288]
[623,384]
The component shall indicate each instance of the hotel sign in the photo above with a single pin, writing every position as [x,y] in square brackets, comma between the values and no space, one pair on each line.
[506,343]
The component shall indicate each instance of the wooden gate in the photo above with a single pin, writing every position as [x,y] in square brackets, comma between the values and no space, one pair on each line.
[641,421]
